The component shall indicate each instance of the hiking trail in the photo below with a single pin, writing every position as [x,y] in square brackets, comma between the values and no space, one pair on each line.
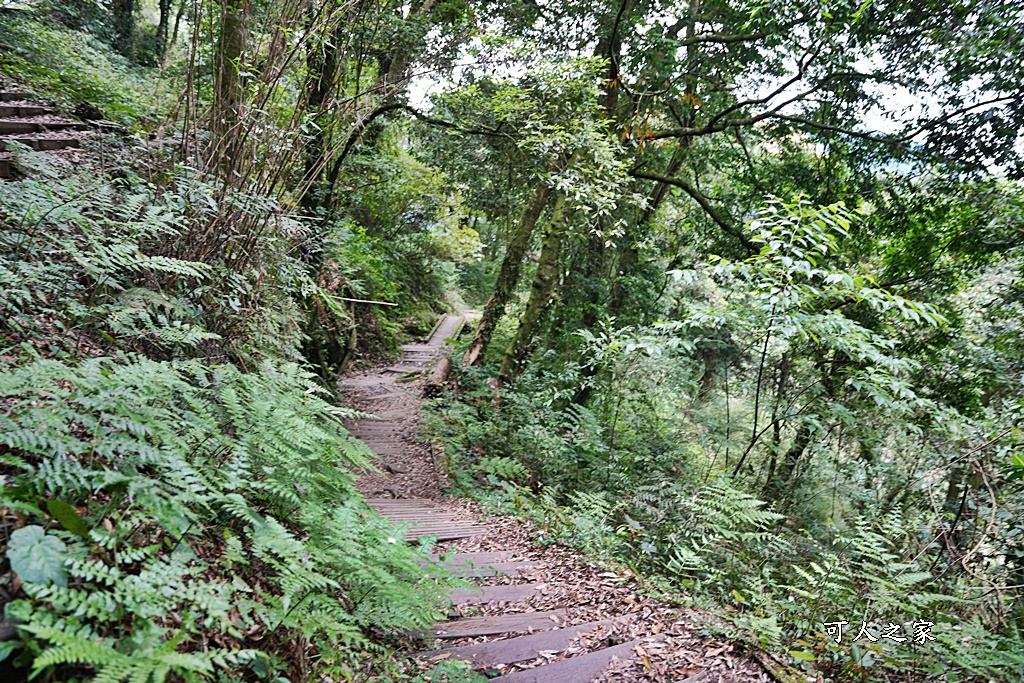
[540,614]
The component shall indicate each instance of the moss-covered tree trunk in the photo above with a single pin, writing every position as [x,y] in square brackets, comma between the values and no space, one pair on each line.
[123,15]
[628,253]
[780,482]
[508,276]
[228,87]
[162,29]
[543,286]
[322,67]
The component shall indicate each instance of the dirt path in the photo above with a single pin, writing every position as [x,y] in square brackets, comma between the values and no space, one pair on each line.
[542,614]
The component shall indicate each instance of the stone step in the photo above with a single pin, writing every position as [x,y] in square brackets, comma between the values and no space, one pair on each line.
[580,669]
[43,144]
[524,622]
[522,648]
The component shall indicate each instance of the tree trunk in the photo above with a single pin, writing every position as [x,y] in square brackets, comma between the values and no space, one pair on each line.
[162,28]
[123,12]
[540,292]
[628,253]
[779,483]
[777,420]
[322,65]
[508,276]
[228,87]
[182,6]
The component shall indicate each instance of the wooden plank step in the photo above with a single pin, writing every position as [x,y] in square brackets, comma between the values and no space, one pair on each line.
[413,515]
[424,528]
[378,503]
[43,144]
[525,622]
[22,111]
[446,535]
[425,516]
[520,648]
[424,522]
[405,369]
[418,513]
[14,96]
[21,126]
[476,558]
[18,127]
[481,596]
[581,669]
[402,502]
[510,569]
[387,450]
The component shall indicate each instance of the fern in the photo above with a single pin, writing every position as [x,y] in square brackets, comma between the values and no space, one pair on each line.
[160,459]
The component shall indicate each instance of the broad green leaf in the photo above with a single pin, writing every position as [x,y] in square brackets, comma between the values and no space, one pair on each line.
[68,517]
[800,654]
[37,557]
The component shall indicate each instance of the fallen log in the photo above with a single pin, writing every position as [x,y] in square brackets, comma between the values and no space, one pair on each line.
[438,376]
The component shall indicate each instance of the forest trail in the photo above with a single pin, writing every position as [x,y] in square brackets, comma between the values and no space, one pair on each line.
[539,614]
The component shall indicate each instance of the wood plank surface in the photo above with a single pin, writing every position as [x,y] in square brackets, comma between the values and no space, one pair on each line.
[446,535]
[520,648]
[525,622]
[487,594]
[580,669]
[476,558]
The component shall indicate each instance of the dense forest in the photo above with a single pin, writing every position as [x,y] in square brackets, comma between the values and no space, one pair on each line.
[745,293]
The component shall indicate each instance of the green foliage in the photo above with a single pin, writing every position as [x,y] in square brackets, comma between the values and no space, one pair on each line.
[36,557]
[640,472]
[71,67]
[221,497]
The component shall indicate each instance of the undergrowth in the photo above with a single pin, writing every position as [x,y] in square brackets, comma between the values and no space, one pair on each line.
[178,503]
[704,538]
[72,67]
[186,517]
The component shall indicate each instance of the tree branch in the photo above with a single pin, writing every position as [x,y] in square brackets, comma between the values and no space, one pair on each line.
[705,204]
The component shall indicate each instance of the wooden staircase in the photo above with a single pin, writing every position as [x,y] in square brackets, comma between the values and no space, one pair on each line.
[33,125]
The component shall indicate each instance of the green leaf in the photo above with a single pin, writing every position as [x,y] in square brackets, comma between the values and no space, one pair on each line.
[800,654]
[6,648]
[37,557]
[68,517]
